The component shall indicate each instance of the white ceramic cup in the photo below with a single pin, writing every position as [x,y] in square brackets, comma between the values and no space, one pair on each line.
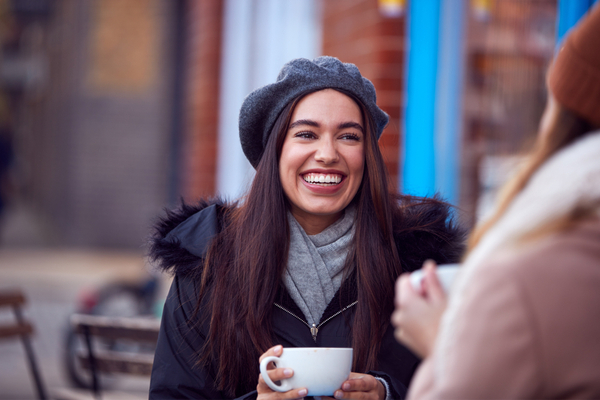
[321,370]
[445,272]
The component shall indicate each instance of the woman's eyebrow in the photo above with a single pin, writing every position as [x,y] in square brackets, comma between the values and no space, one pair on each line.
[345,125]
[310,122]
[301,122]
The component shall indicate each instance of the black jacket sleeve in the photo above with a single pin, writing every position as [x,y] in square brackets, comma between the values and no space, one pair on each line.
[395,389]
[396,365]
[178,245]
[175,373]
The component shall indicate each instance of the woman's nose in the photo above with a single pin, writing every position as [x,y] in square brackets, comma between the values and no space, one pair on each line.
[327,152]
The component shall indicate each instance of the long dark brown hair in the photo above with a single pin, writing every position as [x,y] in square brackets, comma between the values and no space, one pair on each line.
[245,263]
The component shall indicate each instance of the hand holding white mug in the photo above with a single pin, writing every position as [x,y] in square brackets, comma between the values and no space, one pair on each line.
[361,386]
[419,310]
[318,370]
[445,274]
[277,374]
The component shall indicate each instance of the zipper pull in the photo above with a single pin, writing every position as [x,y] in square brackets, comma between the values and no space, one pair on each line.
[314,330]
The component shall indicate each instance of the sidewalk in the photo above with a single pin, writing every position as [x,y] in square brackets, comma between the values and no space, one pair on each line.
[52,280]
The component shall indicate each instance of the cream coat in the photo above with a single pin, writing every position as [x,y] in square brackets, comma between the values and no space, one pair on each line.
[523,319]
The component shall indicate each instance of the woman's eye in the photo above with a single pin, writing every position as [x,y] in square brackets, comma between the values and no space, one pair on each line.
[304,135]
[351,136]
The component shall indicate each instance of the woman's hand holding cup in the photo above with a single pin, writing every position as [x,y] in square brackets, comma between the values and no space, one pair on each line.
[277,374]
[361,386]
[419,311]
[317,371]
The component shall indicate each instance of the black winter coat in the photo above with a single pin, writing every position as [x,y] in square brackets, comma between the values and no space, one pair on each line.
[179,244]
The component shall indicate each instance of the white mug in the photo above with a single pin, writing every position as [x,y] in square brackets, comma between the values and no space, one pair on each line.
[445,272]
[321,370]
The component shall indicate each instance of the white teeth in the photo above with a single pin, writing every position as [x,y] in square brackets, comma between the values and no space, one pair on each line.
[323,178]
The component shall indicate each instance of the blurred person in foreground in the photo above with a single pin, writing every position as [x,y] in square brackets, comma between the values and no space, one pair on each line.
[309,258]
[523,317]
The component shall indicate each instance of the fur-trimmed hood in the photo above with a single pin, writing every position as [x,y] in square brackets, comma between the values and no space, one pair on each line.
[181,237]
[423,230]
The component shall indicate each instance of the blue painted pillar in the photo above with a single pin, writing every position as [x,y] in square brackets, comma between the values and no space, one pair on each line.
[569,12]
[421,75]
[434,85]
[449,99]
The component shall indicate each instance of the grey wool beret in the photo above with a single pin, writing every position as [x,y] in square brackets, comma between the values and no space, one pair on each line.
[262,107]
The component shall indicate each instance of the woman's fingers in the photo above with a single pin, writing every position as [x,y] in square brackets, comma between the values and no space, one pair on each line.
[398,286]
[397,323]
[404,290]
[277,374]
[273,351]
[361,386]
[417,314]
[291,394]
[407,291]
[433,286]
[405,300]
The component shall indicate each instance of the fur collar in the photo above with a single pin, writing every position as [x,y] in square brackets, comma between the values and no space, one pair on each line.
[177,254]
[568,180]
[423,229]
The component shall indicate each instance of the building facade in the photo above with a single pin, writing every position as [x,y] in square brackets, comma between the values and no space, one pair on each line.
[123,107]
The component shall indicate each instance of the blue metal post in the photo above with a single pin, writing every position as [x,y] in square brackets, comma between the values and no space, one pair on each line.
[419,129]
[450,80]
[569,12]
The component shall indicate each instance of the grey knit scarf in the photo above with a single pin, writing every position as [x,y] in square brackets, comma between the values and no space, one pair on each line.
[315,264]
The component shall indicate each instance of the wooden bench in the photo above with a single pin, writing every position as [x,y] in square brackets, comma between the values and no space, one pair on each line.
[116,329]
[15,299]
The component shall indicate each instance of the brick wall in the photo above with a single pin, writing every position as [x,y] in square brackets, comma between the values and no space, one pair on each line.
[355,31]
[199,150]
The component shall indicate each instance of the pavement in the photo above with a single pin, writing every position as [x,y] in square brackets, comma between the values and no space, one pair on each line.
[52,279]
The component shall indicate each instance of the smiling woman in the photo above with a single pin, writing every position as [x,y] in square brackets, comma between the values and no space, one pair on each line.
[322,161]
[308,259]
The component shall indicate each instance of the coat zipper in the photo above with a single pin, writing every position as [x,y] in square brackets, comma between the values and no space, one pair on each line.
[314,329]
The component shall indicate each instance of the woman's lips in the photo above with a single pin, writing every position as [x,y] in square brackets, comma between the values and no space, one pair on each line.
[317,182]
[323,179]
